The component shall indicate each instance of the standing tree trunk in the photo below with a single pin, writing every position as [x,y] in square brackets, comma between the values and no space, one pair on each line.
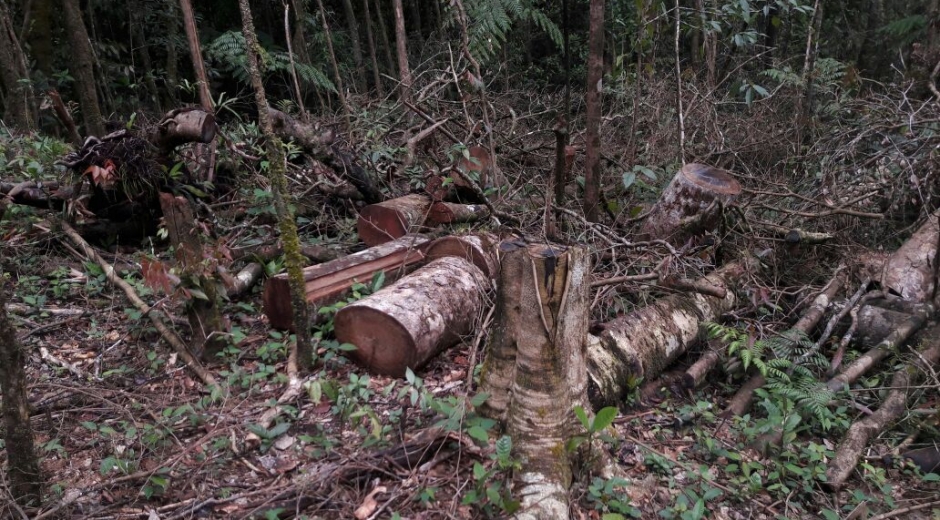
[14,77]
[809,63]
[401,45]
[277,173]
[83,66]
[25,479]
[341,90]
[353,25]
[416,10]
[195,51]
[376,74]
[383,33]
[299,38]
[535,369]
[593,167]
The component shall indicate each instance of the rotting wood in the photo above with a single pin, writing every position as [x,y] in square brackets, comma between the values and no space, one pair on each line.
[407,323]
[892,408]
[535,370]
[866,361]
[391,219]
[480,250]
[691,204]
[909,272]
[328,281]
[184,125]
[695,375]
[641,344]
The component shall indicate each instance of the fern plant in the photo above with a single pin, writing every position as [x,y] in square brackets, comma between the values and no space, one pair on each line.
[489,23]
[789,362]
[228,53]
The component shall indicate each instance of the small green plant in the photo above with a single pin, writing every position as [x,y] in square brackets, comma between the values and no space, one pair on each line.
[490,495]
[609,497]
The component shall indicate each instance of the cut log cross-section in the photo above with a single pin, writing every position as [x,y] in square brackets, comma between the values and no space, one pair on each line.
[691,204]
[405,324]
[479,250]
[391,219]
[185,125]
[327,282]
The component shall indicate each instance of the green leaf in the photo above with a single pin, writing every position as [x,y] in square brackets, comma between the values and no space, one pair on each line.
[628,179]
[479,399]
[478,433]
[604,418]
[582,416]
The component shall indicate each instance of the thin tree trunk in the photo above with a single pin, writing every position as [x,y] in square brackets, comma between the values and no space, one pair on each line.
[341,90]
[19,100]
[277,173]
[416,11]
[593,167]
[300,38]
[23,466]
[401,45]
[82,67]
[143,50]
[809,63]
[195,51]
[383,32]
[376,75]
[38,36]
[353,25]
[172,58]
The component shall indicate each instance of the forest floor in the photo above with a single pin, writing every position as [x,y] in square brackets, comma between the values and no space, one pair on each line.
[126,431]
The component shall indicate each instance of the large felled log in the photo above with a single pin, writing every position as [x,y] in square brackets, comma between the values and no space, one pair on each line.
[910,271]
[894,406]
[479,250]
[391,219]
[644,342]
[691,204]
[184,125]
[452,213]
[328,281]
[407,323]
[535,368]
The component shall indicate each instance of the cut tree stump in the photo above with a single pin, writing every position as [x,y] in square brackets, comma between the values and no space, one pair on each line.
[893,408]
[691,205]
[479,250]
[641,344]
[535,369]
[391,219]
[327,282]
[184,125]
[910,271]
[407,323]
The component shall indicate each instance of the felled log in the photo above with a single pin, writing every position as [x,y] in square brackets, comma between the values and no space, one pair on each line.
[741,401]
[535,370]
[328,281]
[407,323]
[479,250]
[875,323]
[391,219]
[869,359]
[893,408]
[691,204]
[453,213]
[695,375]
[47,195]
[184,125]
[641,344]
[910,271]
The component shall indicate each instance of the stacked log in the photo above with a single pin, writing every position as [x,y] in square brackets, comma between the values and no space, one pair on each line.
[480,250]
[391,219]
[327,282]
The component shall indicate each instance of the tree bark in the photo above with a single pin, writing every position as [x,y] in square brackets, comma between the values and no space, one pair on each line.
[643,343]
[376,73]
[337,77]
[480,250]
[535,370]
[910,272]
[82,67]
[204,314]
[593,169]
[23,466]
[20,103]
[327,282]
[278,176]
[407,323]
[691,205]
[383,33]
[195,52]
[353,26]
[401,45]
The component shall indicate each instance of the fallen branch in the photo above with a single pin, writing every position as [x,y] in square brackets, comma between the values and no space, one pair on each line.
[155,316]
